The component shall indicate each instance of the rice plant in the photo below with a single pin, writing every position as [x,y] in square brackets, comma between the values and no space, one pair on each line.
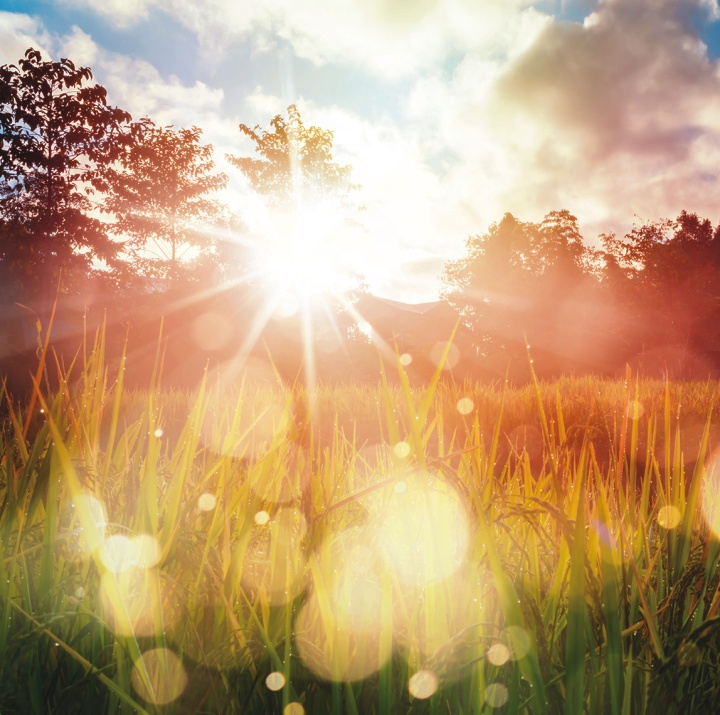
[259,548]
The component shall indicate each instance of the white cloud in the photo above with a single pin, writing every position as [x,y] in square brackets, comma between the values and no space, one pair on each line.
[123,13]
[390,38]
[18,33]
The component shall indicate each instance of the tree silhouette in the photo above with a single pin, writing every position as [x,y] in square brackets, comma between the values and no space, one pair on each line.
[158,195]
[58,133]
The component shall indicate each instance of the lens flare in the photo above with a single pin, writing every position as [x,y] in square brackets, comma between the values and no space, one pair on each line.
[261,518]
[207,502]
[294,709]
[465,406]
[159,677]
[406,359]
[498,654]
[423,684]
[402,450]
[275,681]
[117,553]
[120,553]
[496,695]
[338,628]
[669,517]
[423,532]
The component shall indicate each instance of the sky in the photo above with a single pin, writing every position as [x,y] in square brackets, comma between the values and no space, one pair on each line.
[450,112]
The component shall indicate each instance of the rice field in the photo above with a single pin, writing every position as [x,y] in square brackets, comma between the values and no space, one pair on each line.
[259,548]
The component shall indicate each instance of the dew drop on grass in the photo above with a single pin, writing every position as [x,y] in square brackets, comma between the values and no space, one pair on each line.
[294,709]
[158,432]
[401,450]
[275,681]
[405,359]
[423,684]
[496,695]
[261,518]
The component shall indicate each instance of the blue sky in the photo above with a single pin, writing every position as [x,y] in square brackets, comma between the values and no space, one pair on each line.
[451,112]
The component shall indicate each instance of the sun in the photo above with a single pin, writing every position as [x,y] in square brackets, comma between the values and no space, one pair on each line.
[306,256]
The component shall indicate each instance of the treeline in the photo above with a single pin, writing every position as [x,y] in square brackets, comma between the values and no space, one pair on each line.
[650,298]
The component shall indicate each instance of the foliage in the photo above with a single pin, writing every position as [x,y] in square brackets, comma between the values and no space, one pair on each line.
[515,280]
[670,268]
[297,161]
[58,132]
[159,198]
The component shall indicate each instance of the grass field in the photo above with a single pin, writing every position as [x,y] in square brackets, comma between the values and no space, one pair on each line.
[364,549]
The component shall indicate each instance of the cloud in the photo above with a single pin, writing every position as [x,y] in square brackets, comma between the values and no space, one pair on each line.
[389,38]
[18,32]
[124,13]
[617,116]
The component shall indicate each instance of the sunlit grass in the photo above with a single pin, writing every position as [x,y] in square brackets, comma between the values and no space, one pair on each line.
[460,548]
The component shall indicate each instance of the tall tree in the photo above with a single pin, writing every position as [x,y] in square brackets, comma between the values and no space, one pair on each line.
[58,133]
[296,161]
[159,195]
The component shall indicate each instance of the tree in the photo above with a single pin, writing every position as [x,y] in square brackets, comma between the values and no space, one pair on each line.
[297,161]
[58,134]
[667,274]
[158,195]
[307,194]
[525,280]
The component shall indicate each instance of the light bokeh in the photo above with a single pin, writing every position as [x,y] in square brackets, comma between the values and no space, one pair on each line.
[423,684]
[669,517]
[496,695]
[120,553]
[498,654]
[159,677]
[207,502]
[338,630]
[275,681]
[423,531]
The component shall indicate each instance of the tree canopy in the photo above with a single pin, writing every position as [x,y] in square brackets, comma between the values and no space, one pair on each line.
[296,161]
[58,133]
[158,194]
